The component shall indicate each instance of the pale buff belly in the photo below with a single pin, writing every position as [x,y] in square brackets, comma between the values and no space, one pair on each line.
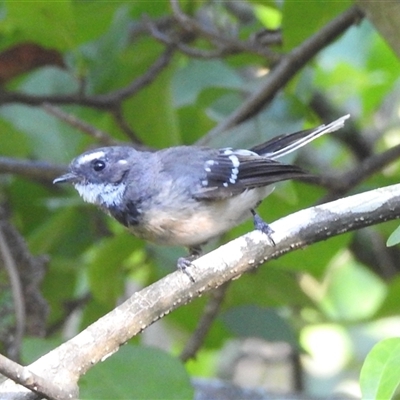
[199,221]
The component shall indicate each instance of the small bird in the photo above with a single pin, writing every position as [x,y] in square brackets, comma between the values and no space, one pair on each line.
[187,195]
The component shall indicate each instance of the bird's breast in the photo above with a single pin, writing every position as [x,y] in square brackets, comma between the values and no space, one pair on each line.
[196,222]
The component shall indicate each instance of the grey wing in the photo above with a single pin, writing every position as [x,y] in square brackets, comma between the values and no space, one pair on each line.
[231,172]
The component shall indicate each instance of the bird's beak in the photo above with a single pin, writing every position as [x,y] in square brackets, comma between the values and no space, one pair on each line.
[68,177]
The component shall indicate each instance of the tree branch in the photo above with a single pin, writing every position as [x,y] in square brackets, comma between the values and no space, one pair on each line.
[342,184]
[105,336]
[37,170]
[29,380]
[102,101]
[151,73]
[350,135]
[72,120]
[210,313]
[286,69]
[226,44]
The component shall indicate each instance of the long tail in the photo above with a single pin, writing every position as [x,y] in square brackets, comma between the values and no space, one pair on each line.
[279,146]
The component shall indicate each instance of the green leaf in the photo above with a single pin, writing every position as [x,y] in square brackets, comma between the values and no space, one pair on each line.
[277,287]
[352,292]
[85,10]
[157,121]
[186,319]
[104,76]
[92,312]
[205,364]
[380,374]
[34,20]
[107,261]
[391,305]
[59,287]
[42,131]
[53,233]
[246,321]
[33,348]
[9,136]
[394,238]
[197,76]
[314,259]
[301,20]
[282,116]
[270,17]
[137,373]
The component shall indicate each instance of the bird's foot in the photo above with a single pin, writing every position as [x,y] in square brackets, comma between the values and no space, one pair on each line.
[263,227]
[183,264]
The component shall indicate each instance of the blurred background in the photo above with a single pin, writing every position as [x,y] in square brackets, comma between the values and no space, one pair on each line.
[76,75]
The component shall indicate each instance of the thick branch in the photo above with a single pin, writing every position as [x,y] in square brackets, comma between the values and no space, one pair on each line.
[75,357]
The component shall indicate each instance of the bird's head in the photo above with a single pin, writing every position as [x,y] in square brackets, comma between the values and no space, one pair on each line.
[100,175]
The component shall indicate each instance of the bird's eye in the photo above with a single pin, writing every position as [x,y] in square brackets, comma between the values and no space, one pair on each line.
[98,165]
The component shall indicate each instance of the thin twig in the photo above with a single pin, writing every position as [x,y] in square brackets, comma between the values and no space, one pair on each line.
[222,50]
[103,101]
[210,313]
[99,135]
[119,118]
[98,101]
[227,45]
[149,76]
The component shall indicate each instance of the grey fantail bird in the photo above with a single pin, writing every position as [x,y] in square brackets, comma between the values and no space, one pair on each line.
[187,195]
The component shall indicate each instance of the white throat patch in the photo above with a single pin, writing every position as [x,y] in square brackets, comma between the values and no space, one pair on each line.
[101,194]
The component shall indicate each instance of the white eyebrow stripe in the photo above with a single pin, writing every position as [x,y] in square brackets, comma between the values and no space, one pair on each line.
[85,158]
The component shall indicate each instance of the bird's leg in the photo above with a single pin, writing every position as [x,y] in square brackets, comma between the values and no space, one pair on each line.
[262,226]
[185,262]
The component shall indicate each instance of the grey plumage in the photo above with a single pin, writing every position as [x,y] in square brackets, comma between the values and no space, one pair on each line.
[186,195]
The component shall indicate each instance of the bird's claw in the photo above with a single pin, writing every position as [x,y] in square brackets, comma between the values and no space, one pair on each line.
[263,227]
[183,264]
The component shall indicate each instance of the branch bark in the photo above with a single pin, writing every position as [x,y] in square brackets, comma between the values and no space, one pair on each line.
[64,365]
